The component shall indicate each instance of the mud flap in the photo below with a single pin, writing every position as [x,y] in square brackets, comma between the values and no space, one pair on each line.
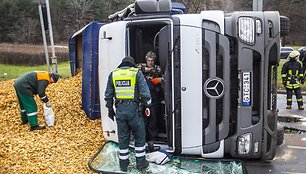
[106,161]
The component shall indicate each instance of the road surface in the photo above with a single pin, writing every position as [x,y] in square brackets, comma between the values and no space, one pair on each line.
[291,155]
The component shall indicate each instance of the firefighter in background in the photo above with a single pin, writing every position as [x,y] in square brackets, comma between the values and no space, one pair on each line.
[26,87]
[154,80]
[127,85]
[303,60]
[292,77]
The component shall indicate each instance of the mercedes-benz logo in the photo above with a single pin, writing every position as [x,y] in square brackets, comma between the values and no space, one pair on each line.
[214,88]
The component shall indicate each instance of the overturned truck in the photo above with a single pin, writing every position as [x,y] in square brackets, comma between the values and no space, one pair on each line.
[220,76]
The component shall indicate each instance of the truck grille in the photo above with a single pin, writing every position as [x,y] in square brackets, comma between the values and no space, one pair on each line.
[215,77]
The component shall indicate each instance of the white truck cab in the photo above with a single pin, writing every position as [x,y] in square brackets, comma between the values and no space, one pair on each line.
[219,77]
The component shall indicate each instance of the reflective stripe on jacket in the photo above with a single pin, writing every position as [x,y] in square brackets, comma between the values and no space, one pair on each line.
[124,81]
[292,73]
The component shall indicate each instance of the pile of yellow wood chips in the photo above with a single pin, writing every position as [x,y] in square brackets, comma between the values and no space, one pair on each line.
[64,148]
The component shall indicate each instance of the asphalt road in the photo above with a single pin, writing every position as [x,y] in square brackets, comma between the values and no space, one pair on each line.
[291,155]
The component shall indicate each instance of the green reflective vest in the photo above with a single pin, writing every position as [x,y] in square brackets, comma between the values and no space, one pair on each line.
[124,81]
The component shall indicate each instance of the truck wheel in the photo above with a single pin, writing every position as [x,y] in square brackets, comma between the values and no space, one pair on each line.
[280,134]
[284,26]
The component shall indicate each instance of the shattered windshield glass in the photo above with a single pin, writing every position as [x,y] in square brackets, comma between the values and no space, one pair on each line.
[106,160]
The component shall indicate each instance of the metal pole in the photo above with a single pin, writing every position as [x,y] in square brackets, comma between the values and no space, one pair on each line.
[53,58]
[257,5]
[44,35]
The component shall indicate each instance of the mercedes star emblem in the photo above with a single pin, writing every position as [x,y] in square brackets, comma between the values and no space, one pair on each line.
[214,88]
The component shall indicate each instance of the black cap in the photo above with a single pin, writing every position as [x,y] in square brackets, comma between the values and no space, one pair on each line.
[55,77]
[130,60]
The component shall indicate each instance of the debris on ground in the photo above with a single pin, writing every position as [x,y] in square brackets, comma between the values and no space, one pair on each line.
[64,148]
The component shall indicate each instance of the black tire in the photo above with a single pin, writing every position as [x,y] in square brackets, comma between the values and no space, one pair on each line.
[284,26]
[280,135]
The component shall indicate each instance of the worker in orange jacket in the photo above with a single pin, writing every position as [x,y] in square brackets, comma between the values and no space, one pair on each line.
[26,87]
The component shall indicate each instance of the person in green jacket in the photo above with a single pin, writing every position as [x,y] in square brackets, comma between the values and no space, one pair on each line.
[28,85]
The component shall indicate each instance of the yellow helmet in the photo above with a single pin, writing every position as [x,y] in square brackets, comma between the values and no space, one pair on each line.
[294,54]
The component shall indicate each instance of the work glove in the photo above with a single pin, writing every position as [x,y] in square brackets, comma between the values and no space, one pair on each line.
[111,113]
[48,104]
[156,80]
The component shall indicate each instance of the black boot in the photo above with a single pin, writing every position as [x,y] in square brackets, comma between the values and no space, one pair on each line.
[150,146]
[142,165]
[24,122]
[124,164]
[37,127]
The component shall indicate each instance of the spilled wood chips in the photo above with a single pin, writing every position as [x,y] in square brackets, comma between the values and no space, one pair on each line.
[65,148]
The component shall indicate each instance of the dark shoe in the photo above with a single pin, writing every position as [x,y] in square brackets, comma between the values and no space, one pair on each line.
[37,127]
[24,122]
[124,169]
[288,107]
[142,165]
[124,165]
[151,146]
[301,107]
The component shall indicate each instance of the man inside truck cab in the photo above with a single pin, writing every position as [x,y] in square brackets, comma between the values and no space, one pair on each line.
[154,79]
[28,85]
[127,85]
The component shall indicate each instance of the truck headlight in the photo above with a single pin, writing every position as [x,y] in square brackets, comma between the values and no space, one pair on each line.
[246,30]
[244,144]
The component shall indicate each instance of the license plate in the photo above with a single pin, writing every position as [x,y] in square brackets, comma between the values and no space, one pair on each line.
[246,89]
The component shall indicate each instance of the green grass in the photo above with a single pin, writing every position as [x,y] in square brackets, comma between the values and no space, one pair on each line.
[13,71]
[279,77]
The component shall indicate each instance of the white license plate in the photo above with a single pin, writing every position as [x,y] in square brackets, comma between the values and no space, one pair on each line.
[246,89]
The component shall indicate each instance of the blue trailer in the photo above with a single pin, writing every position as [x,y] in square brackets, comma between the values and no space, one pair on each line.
[83,53]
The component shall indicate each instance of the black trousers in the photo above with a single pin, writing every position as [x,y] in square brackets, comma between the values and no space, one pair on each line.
[298,94]
[151,123]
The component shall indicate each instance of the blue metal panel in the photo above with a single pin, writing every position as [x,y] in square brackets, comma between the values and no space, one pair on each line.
[90,85]
[178,8]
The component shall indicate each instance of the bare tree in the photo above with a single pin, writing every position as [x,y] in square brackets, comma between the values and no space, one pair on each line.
[24,31]
[294,10]
[81,11]
[196,6]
